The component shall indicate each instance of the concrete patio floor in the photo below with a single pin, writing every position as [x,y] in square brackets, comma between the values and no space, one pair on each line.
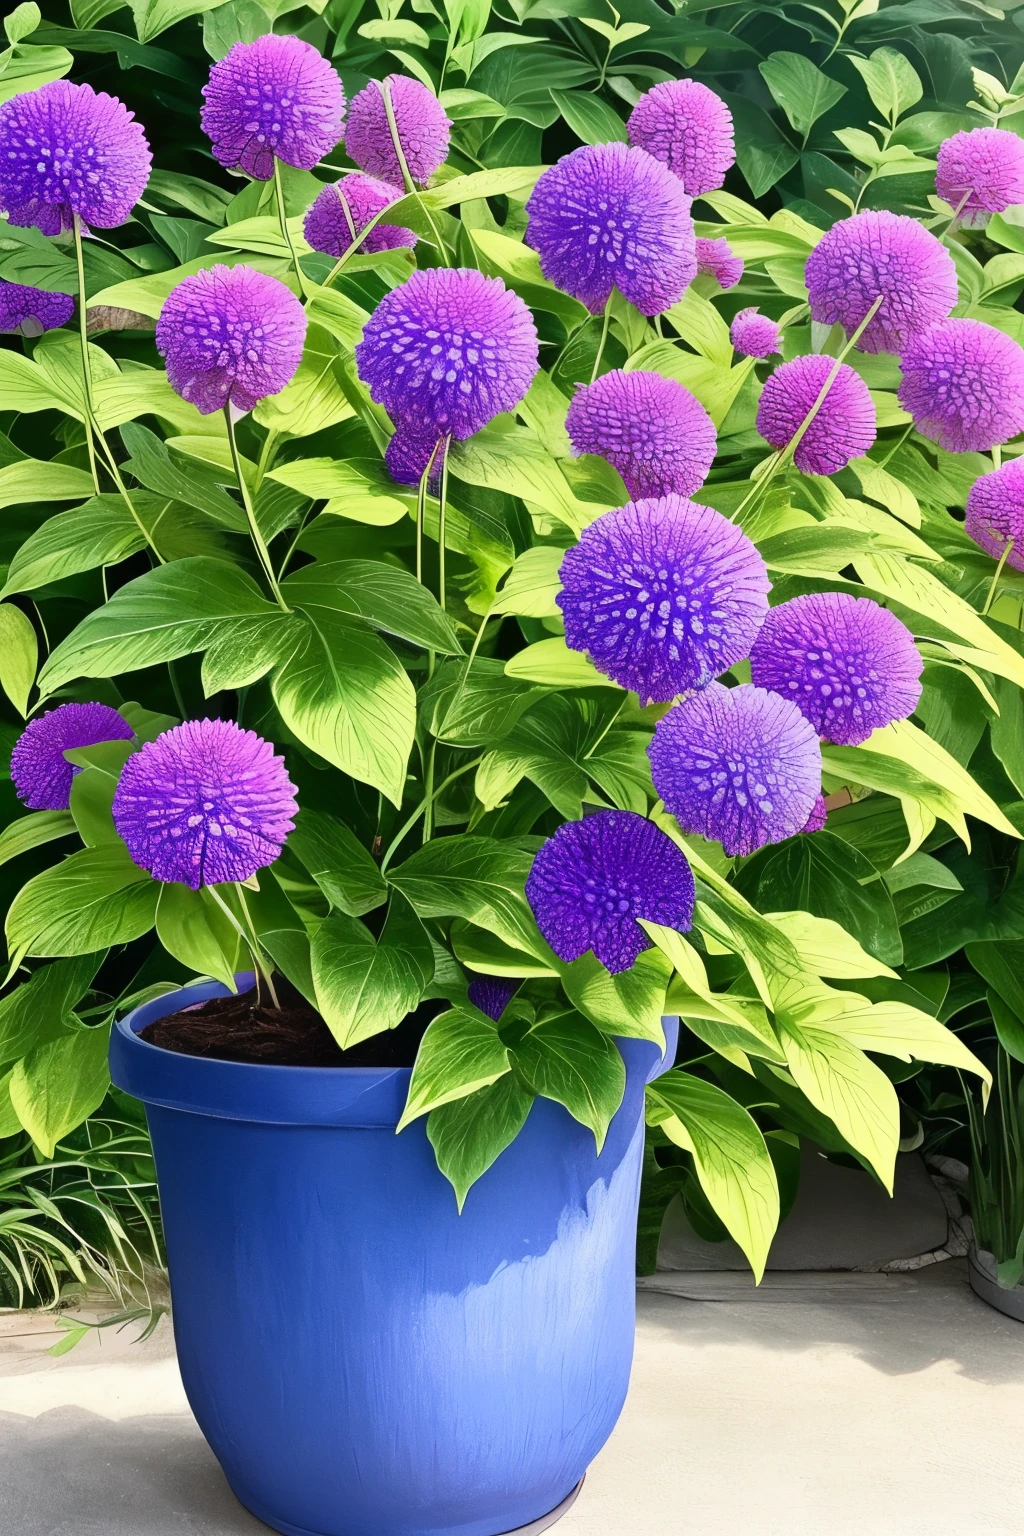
[826,1405]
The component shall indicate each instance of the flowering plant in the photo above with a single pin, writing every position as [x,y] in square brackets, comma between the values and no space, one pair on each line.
[531,589]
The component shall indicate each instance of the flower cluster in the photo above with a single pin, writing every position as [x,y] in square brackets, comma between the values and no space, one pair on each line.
[963,383]
[31,311]
[421,127]
[653,431]
[844,426]
[715,259]
[41,773]
[995,513]
[684,124]
[754,334]
[980,172]
[276,97]
[342,211]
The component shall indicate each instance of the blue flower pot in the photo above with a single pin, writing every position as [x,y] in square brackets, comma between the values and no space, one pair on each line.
[363,1360]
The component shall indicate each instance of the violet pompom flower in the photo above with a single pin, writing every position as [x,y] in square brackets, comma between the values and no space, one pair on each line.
[980,172]
[689,128]
[409,453]
[880,253]
[204,803]
[818,817]
[754,334]
[609,217]
[276,97]
[41,773]
[715,259]
[739,766]
[663,595]
[850,665]
[28,311]
[995,512]
[492,994]
[447,351]
[844,427]
[963,383]
[68,150]
[343,210]
[230,335]
[651,429]
[424,131]
[593,879]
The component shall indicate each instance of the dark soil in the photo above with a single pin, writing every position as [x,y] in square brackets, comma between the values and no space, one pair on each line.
[249,1028]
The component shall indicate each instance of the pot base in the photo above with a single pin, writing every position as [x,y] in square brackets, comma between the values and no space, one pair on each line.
[534,1528]
[1009,1303]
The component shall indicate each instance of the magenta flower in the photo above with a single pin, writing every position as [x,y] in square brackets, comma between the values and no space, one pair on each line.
[738,766]
[609,217]
[850,665]
[715,258]
[205,803]
[652,430]
[663,595]
[593,879]
[492,994]
[447,351]
[844,427]
[881,253]
[41,773]
[995,512]
[981,172]
[409,453]
[67,150]
[230,336]
[344,209]
[963,383]
[818,817]
[31,311]
[689,128]
[276,96]
[755,335]
[424,131]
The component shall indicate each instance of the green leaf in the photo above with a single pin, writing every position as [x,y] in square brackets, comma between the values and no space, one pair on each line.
[802,90]
[567,1059]
[345,871]
[470,1133]
[92,900]
[60,1084]
[1009,1028]
[154,16]
[360,489]
[42,1007]
[738,1023]
[22,21]
[346,695]
[316,398]
[29,67]
[763,152]
[551,663]
[1002,966]
[460,1052]
[384,595]
[826,948]
[478,878]
[155,467]
[590,118]
[729,1154]
[551,745]
[100,532]
[19,656]
[475,706]
[30,480]
[364,987]
[192,928]
[513,460]
[92,791]
[532,585]
[280,931]
[389,32]
[631,1004]
[893,83]
[33,831]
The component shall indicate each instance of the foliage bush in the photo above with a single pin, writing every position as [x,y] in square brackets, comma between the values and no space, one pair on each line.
[475,729]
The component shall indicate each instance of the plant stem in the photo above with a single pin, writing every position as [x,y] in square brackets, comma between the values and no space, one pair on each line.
[115,475]
[410,185]
[421,510]
[407,826]
[266,456]
[428,794]
[254,527]
[604,338]
[995,579]
[957,212]
[83,332]
[897,445]
[249,940]
[441,517]
[997,456]
[286,233]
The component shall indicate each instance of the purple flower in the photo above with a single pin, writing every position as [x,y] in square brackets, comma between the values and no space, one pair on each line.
[849,664]
[881,253]
[344,209]
[715,259]
[607,216]
[844,427]
[656,434]
[593,879]
[276,97]
[448,351]
[737,765]
[408,454]
[663,595]
[985,166]
[423,130]
[230,335]
[818,817]
[684,124]
[204,804]
[492,994]
[68,150]
[42,774]
[963,383]
[995,512]
[754,334]
[31,311]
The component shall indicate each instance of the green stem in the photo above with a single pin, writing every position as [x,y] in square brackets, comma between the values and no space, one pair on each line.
[958,211]
[410,185]
[441,519]
[421,510]
[469,667]
[897,445]
[83,332]
[249,940]
[254,527]
[604,338]
[257,948]
[995,579]
[115,475]
[407,826]
[997,456]
[266,456]
[286,233]
[428,794]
